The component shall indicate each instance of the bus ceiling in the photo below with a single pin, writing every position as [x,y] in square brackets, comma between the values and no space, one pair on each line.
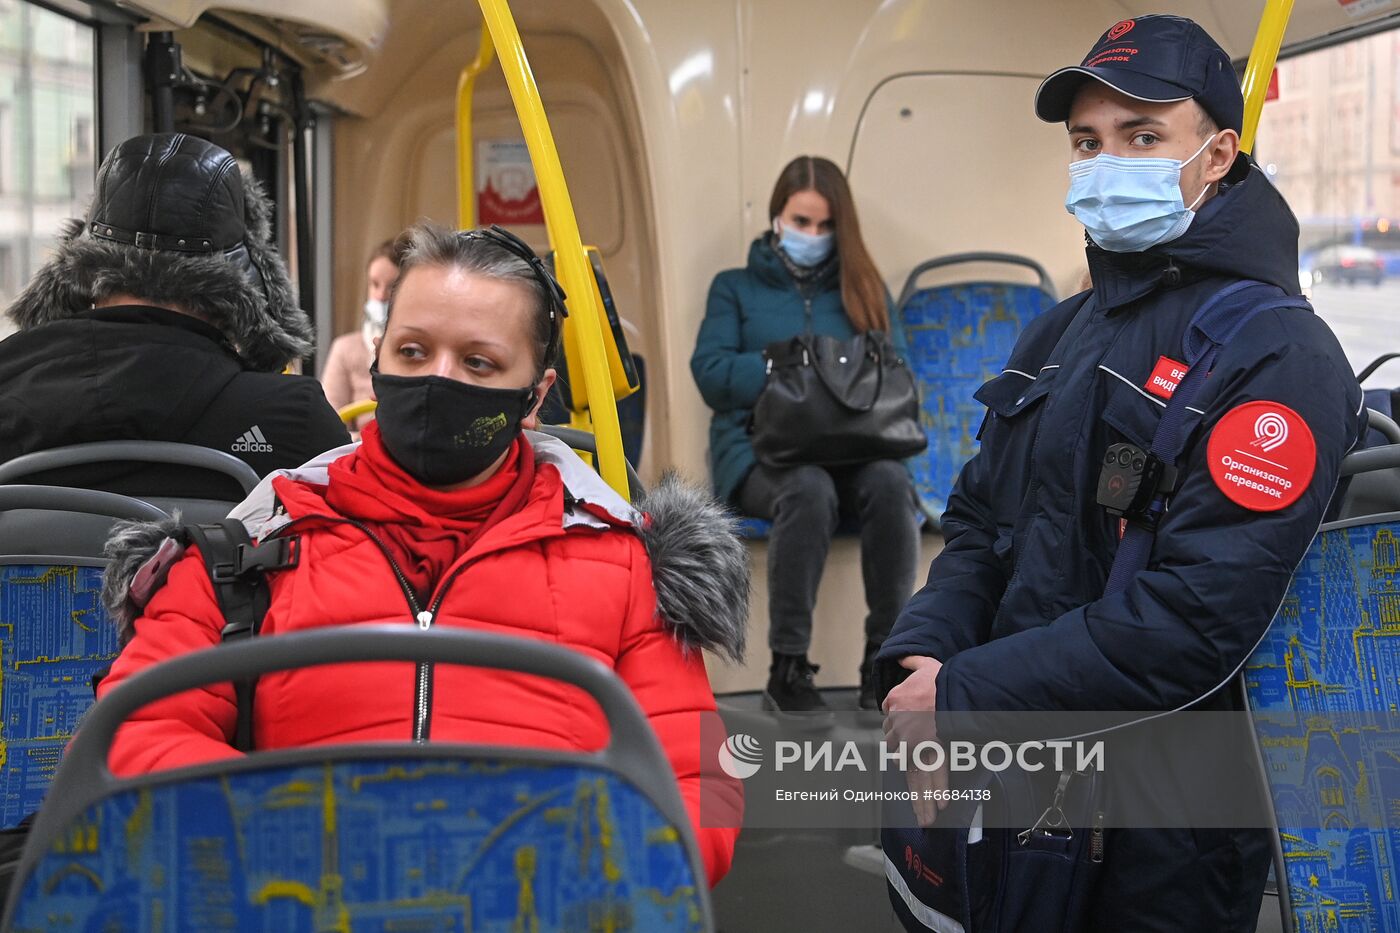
[338,38]
[331,38]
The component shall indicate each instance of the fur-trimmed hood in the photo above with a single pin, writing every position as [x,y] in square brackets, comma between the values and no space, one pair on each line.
[700,567]
[240,287]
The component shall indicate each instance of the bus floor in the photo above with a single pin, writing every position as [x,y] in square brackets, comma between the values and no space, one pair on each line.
[816,882]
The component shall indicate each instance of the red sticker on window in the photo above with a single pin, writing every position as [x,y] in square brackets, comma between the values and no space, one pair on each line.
[1262,456]
[1166,377]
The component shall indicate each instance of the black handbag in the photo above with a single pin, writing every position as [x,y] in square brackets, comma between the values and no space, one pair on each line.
[833,402]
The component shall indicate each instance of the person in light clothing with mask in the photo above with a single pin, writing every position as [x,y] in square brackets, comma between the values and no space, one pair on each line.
[809,272]
[1055,590]
[452,513]
[346,377]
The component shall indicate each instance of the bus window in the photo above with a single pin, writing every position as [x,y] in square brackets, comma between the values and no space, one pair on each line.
[1331,142]
[47,135]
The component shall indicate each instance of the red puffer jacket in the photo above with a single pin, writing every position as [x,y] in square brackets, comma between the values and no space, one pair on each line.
[564,564]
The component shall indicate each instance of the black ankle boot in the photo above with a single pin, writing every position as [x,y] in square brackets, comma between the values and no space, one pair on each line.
[869,689]
[791,690]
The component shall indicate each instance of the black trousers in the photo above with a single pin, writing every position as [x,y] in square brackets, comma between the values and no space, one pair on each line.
[806,504]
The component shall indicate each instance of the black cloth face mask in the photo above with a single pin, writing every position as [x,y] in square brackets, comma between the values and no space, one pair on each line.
[444,432]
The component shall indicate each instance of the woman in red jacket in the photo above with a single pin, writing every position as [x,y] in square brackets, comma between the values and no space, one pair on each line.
[448,514]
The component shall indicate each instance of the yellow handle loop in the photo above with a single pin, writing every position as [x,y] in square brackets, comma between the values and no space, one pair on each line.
[571,263]
[466,86]
[1267,41]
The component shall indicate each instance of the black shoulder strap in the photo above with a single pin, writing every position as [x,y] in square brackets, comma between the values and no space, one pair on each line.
[237,568]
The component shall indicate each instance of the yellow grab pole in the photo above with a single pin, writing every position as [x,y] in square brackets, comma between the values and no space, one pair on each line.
[350,412]
[1267,41]
[466,84]
[570,261]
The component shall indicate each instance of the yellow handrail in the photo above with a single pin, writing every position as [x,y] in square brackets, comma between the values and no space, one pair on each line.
[570,262]
[466,85]
[350,412]
[1267,41]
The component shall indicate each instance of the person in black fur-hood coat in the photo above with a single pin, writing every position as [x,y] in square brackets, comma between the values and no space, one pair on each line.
[165,315]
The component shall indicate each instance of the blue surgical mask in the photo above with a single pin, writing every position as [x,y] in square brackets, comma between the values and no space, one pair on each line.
[805,249]
[1129,205]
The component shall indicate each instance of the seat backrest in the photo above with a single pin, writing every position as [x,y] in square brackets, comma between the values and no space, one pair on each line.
[1324,688]
[54,637]
[959,337]
[54,633]
[584,443]
[1375,491]
[395,836]
[236,474]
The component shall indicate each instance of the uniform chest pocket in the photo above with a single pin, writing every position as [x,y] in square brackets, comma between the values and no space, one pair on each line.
[1130,411]
[1012,395]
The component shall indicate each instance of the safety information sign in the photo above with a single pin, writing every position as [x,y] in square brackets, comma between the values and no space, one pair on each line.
[506,191]
[1262,456]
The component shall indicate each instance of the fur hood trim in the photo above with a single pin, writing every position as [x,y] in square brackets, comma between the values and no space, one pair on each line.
[256,312]
[699,565]
[131,548]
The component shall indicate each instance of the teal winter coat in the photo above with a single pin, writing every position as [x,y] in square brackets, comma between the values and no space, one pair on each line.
[748,309]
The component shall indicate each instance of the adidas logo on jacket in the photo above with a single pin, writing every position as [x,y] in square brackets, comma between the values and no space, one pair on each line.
[252,441]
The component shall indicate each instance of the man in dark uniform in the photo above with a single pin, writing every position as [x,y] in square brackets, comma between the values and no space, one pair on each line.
[166,315]
[1015,614]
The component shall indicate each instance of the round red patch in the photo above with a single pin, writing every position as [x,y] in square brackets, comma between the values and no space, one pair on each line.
[1262,456]
[1120,29]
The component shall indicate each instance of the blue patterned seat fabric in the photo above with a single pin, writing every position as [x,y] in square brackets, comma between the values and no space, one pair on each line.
[959,337]
[1324,688]
[407,843]
[54,636]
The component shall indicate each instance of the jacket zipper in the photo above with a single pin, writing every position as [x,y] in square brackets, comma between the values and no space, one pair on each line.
[423,696]
[423,688]
[422,693]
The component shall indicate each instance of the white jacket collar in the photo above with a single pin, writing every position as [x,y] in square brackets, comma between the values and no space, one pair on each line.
[259,514]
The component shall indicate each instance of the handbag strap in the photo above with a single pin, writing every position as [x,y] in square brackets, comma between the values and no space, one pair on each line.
[1213,326]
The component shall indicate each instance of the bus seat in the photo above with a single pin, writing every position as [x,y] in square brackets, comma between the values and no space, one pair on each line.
[751,528]
[54,633]
[395,836]
[1327,666]
[1375,491]
[960,335]
[585,443]
[239,477]
[754,529]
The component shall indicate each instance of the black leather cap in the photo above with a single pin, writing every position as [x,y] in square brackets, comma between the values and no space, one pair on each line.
[170,191]
[174,222]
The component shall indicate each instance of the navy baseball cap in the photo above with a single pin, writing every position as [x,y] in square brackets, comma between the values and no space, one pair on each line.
[1156,58]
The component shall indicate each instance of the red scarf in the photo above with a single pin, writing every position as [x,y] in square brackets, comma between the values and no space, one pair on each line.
[425,529]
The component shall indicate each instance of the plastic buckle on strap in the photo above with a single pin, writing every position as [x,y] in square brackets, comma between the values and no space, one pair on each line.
[273,554]
[224,571]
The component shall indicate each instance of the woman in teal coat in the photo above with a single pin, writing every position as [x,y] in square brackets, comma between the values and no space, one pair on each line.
[810,271]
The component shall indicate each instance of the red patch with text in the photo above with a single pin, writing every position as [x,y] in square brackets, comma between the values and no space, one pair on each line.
[1262,456]
[1166,377]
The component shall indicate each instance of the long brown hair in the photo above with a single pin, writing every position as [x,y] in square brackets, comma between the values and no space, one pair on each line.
[862,289]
